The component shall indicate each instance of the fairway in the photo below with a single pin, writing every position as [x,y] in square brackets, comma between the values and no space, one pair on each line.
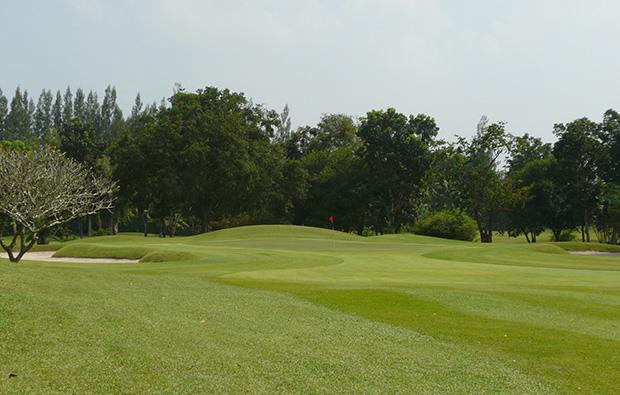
[287,309]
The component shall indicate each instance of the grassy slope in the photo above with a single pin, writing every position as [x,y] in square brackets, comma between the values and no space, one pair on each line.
[392,314]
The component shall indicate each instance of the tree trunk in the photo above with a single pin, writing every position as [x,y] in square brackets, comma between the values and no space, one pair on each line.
[90,226]
[586,221]
[527,237]
[206,218]
[111,224]
[533,237]
[490,230]
[146,223]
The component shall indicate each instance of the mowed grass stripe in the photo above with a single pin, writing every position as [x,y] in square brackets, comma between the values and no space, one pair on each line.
[572,360]
[114,332]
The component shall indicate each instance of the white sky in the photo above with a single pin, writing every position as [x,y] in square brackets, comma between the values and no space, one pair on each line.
[531,63]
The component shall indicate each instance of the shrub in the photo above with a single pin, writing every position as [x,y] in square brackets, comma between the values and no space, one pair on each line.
[368,231]
[448,224]
[100,232]
[565,235]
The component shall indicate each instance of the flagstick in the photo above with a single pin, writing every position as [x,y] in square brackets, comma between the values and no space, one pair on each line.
[333,237]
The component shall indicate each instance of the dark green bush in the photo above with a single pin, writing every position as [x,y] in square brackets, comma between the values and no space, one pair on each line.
[368,231]
[448,224]
[565,235]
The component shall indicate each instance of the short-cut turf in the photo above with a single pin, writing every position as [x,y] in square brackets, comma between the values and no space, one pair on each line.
[276,309]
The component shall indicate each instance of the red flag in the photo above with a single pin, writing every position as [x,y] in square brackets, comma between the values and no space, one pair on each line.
[331,219]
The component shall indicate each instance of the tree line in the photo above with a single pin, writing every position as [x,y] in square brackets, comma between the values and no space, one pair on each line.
[212,159]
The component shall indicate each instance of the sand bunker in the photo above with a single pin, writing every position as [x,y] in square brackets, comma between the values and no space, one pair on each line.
[47,256]
[595,253]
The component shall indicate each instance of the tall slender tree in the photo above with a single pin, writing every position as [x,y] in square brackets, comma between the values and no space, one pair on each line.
[57,113]
[19,117]
[79,104]
[4,112]
[67,109]
[43,117]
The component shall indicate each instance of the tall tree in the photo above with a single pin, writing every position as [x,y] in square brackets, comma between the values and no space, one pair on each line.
[610,139]
[79,104]
[92,113]
[206,154]
[4,112]
[43,117]
[579,152]
[57,113]
[79,142]
[283,132]
[67,109]
[396,151]
[137,111]
[526,149]
[19,117]
[471,167]
[111,115]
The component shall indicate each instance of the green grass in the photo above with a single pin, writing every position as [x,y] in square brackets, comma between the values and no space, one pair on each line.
[276,309]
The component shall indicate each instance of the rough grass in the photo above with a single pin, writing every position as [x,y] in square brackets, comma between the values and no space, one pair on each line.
[280,310]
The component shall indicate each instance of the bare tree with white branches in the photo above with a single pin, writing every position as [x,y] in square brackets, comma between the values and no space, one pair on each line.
[41,189]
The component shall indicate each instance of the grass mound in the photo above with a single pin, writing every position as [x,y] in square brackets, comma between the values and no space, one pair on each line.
[547,249]
[84,250]
[169,256]
[275,232]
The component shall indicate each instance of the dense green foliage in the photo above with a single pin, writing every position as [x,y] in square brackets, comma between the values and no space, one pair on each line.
[448,224]
[213,159]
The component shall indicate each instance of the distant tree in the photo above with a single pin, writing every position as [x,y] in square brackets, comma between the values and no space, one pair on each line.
[4,112]
[67,109]
[92,112]
[610,140]
[333,132]
[283,132]
[41,189]
[19,118]
[57,113]
[147,164]
[79,142]
[396,152]
[578,152]
[79,104]
[471,167]
[137,111]
[43,117]
[526,149]
[207,154]
[607,217]
[112,121]
[536,210]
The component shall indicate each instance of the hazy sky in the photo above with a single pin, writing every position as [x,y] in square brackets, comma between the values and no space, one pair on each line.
[531,63]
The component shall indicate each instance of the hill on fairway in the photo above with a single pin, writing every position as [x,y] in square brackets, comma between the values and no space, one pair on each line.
[285,309]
